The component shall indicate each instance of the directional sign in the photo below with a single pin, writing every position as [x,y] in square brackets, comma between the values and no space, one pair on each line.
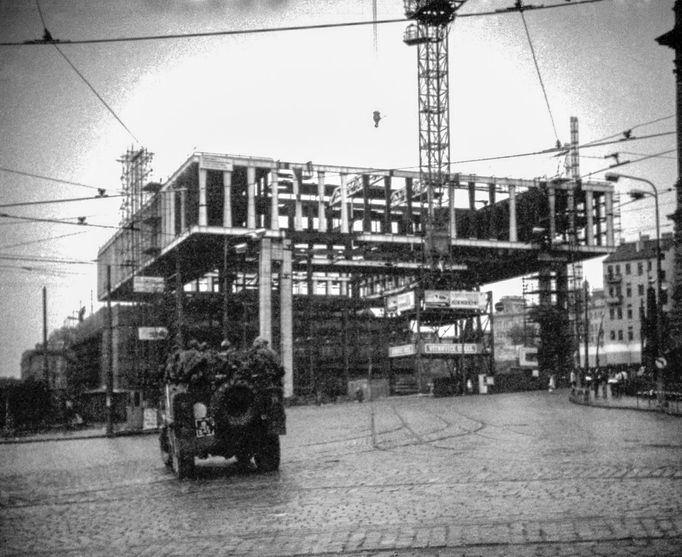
[661,362]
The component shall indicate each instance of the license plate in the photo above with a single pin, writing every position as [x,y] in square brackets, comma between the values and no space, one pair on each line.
[204,427]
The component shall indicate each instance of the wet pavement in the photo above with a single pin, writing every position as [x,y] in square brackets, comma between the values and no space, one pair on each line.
[509,474]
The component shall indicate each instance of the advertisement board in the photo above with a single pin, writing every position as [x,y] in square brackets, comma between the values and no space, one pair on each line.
[397,303]
[452,348]
[455,299]
[148,285]
[402,350]
[152,333]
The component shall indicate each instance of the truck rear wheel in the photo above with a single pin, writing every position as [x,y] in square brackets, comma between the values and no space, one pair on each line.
[268,454]
[183,463]
[164,447]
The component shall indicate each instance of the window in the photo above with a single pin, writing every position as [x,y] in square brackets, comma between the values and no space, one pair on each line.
[612,335]
[640,268]
[612,314]
[629,312]
[618,269]
[609,270]
[640,289]
[628,290]
[620,313]
[627,268]
[648,266]
[620,334]
[631,334]
[662,275]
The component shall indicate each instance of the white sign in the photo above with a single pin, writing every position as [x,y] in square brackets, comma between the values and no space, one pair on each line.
[452,348]
[403,350]
[150,419]
[152,333]
[455,299]
[661,362]
[400,302]
[149,285]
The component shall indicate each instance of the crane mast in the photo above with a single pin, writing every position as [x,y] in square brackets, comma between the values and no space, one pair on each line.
[429,33]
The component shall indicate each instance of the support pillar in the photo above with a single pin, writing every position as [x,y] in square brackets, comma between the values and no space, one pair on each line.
[451,209]
[344,204]
[387,209]
[274,200]
[251,197]
[286,319]
[513,237]
[551,199]
[265,290]
[321,216]
[589,210]
[608,209]
[203,213]
[298,206]
[227,199]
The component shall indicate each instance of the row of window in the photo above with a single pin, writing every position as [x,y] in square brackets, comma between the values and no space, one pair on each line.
[618,335]
[616,291]
[612,270]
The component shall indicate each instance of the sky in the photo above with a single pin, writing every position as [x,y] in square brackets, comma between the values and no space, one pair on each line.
[298,96]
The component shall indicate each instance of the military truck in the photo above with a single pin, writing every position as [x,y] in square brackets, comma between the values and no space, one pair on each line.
[227,404]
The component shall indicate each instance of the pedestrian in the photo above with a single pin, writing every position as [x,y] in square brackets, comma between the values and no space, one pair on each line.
[552,383]
[596,378]
[573,381]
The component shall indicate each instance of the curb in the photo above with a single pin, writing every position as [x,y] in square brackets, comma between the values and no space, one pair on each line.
[102,435]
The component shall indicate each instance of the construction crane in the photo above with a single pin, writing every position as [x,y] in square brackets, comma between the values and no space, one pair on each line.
[429,33]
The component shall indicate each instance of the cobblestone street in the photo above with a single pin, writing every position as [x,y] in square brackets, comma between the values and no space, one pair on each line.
[513,474]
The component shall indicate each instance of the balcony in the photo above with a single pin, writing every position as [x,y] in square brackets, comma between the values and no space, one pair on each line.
[614,278]
[614,300]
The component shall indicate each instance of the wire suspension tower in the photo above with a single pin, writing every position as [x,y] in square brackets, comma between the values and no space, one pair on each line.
[429,33]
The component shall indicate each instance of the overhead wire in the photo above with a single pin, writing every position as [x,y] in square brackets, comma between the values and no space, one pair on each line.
[50,201]
[51,179]
[83,78]
[41,240]
[173,36]
[537,70]
[58,221]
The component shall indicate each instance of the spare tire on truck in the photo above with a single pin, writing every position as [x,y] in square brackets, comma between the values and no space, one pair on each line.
[228,405]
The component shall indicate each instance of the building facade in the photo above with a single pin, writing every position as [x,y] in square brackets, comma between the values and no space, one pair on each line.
[628,273]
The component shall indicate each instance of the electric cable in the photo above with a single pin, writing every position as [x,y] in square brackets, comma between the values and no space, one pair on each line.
[624,163]
[537,70]
[57,221]
[49,201]
[83,78]
[232,32]
[41,240]
[58,180]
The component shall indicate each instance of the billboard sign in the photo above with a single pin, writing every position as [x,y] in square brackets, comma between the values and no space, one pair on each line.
[149,285]
[441,348]
[455,299]
[398,303]
[152,333]
[402,350]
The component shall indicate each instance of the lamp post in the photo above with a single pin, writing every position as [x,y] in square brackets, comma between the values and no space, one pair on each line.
[638,194]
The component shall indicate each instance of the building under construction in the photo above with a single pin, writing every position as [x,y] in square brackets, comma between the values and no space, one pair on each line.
[337,265]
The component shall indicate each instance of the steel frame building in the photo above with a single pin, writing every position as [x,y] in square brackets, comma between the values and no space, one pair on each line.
[294,231]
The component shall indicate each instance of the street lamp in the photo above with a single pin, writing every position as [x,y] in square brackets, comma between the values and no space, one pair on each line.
[639,194]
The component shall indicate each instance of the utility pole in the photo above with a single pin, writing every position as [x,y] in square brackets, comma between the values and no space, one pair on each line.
[46,367]
[110,367]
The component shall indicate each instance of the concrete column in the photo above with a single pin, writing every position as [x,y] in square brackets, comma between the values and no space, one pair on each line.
[608,201]
[265,290]
[274,200]
[387,205]
[451,210]
[344,204]
[321,216]
[286,320]
[251,197]
[513,237]
[589,209]
[183,210]
[551,198]
[227,198]
[366,210]
[298,207]
[203,213]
